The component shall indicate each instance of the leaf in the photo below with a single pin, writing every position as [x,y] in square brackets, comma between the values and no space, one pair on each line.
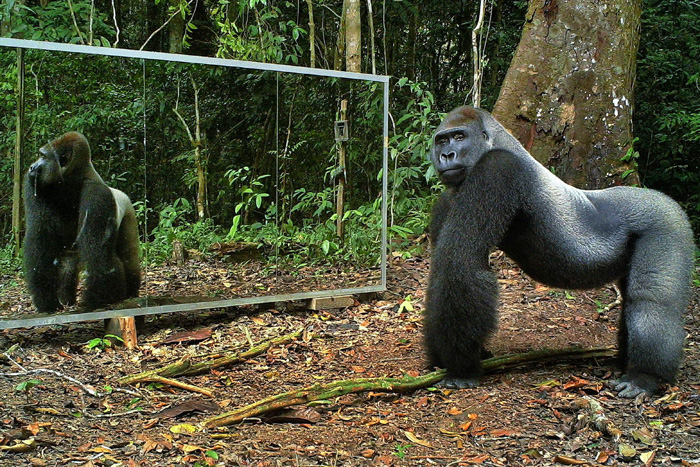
[414,439]
[643,436]
[189,406]
[647,457]
[303,415]
[183,428]
[626,451]
[188,336]
[569,460]
[25,386]
[25,445]
[187,448]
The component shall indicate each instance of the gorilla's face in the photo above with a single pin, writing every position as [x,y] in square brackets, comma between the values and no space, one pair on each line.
[49,168]
[58,159]
[457,150]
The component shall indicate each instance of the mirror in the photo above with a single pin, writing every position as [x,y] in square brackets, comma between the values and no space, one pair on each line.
[234,169]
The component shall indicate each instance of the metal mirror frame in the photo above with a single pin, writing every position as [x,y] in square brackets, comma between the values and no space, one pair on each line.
[44,320]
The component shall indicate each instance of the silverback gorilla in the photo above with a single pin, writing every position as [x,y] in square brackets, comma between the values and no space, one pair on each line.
[498,195]
[75,220]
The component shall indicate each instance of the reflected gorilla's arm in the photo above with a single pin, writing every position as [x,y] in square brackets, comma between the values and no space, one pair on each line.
[74,219]
[498,195]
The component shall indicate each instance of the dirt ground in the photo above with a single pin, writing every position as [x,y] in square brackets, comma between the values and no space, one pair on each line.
[532,415]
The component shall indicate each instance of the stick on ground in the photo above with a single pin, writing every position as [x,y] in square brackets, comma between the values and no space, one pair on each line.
[404,384]
[185,367]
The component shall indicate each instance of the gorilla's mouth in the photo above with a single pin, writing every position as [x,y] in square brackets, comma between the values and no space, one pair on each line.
[454,172]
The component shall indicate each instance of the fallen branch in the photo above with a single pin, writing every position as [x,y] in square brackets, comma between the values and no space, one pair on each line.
[404,384]
[185,367]
[179,384]
[597,417]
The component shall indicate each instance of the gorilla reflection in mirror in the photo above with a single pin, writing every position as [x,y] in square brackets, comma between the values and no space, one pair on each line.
[498,195]
[74,220]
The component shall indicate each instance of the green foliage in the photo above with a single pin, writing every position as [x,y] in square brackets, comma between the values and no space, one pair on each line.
[667,113]
[26,386]
[256,30]
[55,22]
[102,343]
[412,178]
[173,225]
[400,450]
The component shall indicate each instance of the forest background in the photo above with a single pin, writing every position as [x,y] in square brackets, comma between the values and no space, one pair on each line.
[217,155]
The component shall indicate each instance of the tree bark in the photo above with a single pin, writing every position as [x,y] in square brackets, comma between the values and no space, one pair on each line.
[353,38]
[339,56]
[567,95]
[17,170]
[176,30]
[312,33]
[371,36]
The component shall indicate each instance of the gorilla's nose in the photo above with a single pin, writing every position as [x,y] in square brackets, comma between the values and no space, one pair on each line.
[447,157]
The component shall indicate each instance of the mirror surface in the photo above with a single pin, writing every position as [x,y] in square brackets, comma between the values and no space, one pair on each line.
[234,173]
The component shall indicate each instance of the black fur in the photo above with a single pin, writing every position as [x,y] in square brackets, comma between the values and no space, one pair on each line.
[499,196]
[73,220]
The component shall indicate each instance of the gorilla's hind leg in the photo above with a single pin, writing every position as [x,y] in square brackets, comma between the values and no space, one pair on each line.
[655,295]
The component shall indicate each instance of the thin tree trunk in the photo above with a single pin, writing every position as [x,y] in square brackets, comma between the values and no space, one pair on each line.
[312,33]
[476,55]
[176,30]
[340,43]
[196,142]
[567,95]
[353,36]
[371,36]
[17,173]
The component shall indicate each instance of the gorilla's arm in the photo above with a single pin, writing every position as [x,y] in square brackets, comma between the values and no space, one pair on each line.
[97,242]
[460,313]
[43,247]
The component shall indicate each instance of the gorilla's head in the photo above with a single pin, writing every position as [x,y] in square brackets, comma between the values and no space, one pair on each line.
[66,158]
[458,144]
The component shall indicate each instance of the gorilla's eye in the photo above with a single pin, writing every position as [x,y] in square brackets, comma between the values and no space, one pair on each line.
[440,141]
[63,160]
[459,137]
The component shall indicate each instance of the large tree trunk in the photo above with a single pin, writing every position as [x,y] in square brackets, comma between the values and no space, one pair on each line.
[568,93]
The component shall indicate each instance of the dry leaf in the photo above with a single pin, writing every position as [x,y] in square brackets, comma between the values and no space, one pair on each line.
[188,336]
[412,438]
[643,436]
[504,432]
[303,415]
[569,460]
[189,406]
[465,426]
[183,428]
[187,448]
[626,451]
[647,457]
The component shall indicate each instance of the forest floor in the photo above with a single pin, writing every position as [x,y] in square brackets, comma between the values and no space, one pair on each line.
[532,415]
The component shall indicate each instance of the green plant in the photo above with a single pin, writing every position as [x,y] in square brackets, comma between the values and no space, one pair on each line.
[102,343]
[400,450]
[210,457]
[26,386]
